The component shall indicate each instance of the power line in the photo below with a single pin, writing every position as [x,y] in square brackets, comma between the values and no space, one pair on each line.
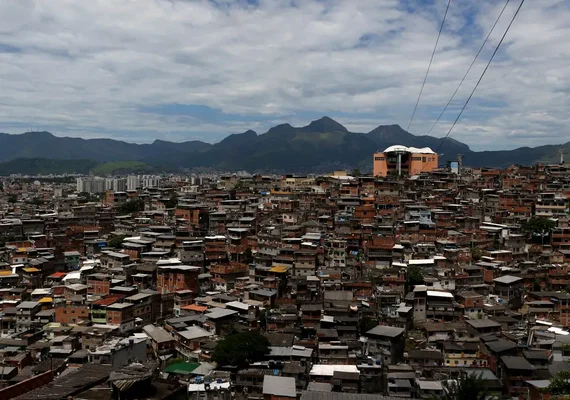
[482,75]
[429,65]
[469,69]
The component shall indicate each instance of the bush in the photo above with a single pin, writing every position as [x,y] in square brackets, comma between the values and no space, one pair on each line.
[241,349]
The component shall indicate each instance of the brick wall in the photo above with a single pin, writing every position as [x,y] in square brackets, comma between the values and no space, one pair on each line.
[99,287]
[71,314]
[27,385]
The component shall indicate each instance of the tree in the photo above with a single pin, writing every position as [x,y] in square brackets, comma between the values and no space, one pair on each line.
[538,227]
[7,239]
[248,256]
[476,253]
[116,241]
[560,384]
[241,185]
[414,276]
[356,173]
[263,319]
[241,349]
[366,324]
[131,206]
[12,198]
[36,201]
[172,202]
[468,386]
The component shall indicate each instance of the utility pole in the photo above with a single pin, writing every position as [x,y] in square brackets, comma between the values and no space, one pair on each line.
[561,152]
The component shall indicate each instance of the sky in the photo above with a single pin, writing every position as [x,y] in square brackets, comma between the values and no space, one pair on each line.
[140,70]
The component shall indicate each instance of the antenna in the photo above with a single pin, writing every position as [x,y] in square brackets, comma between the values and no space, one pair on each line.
[561,152]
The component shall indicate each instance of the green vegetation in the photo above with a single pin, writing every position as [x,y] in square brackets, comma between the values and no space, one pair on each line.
[12,198]
[263,319]
[50,179]
[248,256]
[36,201]
[414,276]
[560,384]
[241,185]
[539,229]
[538,226]
[131,206]
[240,349]
[366,324]
[116,241]
[172,202]
[44,166]
[466,387]
[476,253]
[322,146]
[121,167]
[85,197]
[6,239]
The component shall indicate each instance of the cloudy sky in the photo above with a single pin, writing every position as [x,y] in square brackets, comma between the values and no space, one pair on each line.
[179,70]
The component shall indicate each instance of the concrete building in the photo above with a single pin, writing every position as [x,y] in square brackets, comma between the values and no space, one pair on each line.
[133,182]
[90,184]
[401,160]
[119,352]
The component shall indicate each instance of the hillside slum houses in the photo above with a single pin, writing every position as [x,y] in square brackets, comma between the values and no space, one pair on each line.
[365,288]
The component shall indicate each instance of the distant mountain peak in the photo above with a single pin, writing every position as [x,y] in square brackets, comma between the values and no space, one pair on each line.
[281,128]
[319,147]
[39,134]
[240,138]
[393,131]
[323,125]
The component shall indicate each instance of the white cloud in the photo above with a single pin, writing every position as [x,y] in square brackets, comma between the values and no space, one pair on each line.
[90,68]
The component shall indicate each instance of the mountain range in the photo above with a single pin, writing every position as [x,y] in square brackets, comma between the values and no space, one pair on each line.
[321,146]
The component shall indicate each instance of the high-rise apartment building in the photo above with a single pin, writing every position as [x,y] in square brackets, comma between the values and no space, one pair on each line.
[90,184]
[133,182]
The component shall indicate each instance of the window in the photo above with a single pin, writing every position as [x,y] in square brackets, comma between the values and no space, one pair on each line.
[423,159]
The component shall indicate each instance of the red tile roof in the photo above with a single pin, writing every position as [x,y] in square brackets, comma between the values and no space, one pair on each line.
[57,275]
[108,300]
